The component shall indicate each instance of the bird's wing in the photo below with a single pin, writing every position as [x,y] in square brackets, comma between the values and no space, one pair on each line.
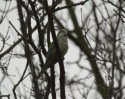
[51,50]
[50,53]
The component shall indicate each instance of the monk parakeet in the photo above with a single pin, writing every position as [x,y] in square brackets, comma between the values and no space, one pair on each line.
[51,56]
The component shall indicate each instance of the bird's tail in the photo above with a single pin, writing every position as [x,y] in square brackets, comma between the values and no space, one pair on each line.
[45,67]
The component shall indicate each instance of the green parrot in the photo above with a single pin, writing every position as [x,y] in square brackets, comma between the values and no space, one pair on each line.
[51,56]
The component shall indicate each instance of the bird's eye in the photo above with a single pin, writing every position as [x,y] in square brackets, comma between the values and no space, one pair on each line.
[64,34]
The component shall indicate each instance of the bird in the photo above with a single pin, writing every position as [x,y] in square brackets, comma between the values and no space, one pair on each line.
[52,56]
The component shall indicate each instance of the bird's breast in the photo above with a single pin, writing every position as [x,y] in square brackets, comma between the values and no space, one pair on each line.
[63,45]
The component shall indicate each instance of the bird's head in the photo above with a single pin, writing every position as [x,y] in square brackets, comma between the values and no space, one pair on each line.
[62,33]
